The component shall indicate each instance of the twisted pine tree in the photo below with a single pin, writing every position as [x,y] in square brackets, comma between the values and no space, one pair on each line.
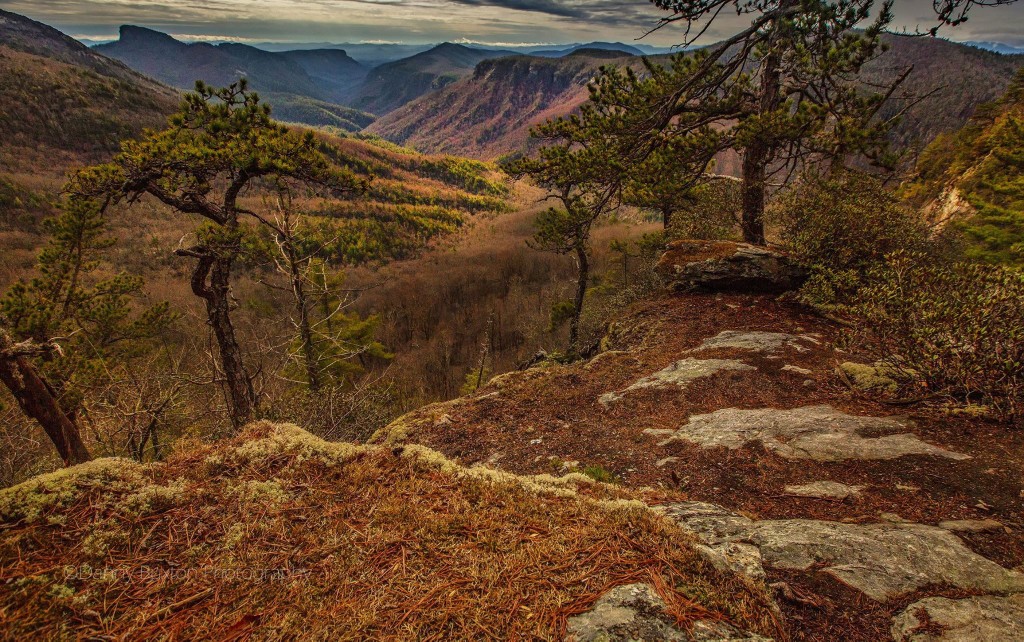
[580,169]
[220,143]
[65,329]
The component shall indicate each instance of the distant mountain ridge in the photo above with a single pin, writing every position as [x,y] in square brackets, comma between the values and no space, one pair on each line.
[394,84]
[306,86]
[601,46]
[324,85]
[490,112]
[322,74]
[998,47]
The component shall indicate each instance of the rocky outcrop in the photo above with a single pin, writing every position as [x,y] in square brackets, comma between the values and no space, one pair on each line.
[725,266]
[881,560]
[758,341]
[634,612]
[821,433]
[678,374]
[984,618]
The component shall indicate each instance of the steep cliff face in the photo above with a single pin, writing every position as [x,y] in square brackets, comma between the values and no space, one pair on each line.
[490,113]
[974,179]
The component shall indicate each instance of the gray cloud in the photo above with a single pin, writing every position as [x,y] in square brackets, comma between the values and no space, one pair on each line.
[436,20]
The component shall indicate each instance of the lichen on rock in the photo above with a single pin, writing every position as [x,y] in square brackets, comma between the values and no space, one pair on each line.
[678,374]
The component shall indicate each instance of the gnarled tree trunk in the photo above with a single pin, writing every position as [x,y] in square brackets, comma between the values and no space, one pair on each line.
[36,399]
[583,276]
[211,281]
[760,153]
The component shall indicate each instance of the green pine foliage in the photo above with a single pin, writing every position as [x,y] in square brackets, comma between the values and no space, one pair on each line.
[841,226]
[97,318]
[952,328]
[985,162]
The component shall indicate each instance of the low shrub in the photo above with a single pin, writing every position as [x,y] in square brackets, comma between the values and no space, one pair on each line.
[840,227]
[955,328]
[713,215]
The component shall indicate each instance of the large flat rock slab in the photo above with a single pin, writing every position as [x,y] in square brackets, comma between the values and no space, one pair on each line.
[985,618]
[635,612]
[757,341]
[881,560]
[678,374]
[821,433]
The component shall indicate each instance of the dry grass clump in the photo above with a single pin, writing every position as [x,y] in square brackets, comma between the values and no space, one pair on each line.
[278,535]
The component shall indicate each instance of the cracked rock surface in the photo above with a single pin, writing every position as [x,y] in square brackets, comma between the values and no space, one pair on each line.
[756,341]
[821,433]
[984,618]
[880,560]
[678,374]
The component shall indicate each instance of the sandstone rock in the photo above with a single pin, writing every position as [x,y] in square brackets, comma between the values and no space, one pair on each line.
[757,341]
[721,266]
[824,489]
[678,374]
[821,433]
[971,525]
[985,618]
[880,560]
[635,612]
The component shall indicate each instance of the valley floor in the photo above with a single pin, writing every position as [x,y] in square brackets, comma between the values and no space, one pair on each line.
[867,520]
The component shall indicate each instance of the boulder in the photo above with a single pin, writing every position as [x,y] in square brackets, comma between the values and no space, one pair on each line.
[635,612]
[882,560]
[984,618]
[726,266]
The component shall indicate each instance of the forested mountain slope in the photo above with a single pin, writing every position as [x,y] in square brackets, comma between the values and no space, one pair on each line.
[60,99]
[974,179]
[395,84]
[306,86]
[490,113]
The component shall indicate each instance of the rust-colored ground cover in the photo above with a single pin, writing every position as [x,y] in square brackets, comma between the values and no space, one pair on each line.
[278,535]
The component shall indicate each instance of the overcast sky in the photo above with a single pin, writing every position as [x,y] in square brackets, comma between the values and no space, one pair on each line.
[425,21]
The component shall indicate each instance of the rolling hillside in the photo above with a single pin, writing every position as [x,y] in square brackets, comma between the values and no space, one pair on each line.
[306,86]
[490,112]
[395,84]
[61,100]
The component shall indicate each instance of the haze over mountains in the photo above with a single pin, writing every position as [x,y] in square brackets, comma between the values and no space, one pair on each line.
[300,81]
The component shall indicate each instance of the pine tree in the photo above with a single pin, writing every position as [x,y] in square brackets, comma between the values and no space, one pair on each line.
[782,92]
[219,144]
[61,332]
[581,171]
